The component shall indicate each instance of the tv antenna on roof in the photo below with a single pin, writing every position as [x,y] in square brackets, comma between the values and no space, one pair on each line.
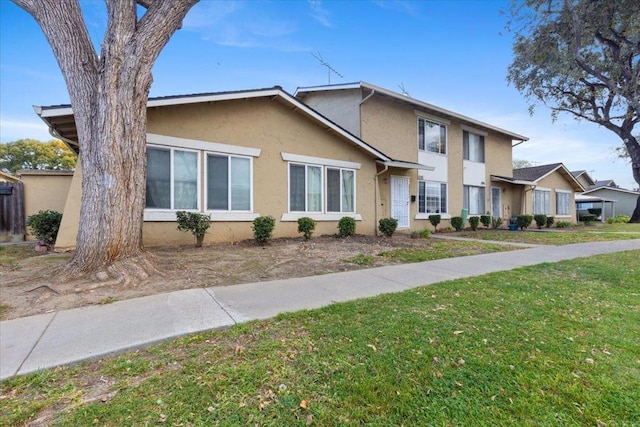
[404,91]
[324,63]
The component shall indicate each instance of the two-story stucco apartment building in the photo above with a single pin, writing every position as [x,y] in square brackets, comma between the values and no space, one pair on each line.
[353,150]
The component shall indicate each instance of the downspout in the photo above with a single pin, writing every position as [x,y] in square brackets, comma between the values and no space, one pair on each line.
[376,195]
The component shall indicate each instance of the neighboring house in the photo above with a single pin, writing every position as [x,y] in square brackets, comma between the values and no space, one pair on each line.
[583,178]
[605,195]
[466,153]
[546,189]
[240,155]
[624,200]
[44,190]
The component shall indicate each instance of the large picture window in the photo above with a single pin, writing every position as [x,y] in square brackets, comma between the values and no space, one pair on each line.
[541,202]
[473,147]
[563,203]
[432,197]
[315,188]
[228,183]
[432,136]
[172,179]
[473,200]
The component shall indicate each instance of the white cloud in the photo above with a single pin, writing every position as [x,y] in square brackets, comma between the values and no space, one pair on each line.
[320,13]
[14,129]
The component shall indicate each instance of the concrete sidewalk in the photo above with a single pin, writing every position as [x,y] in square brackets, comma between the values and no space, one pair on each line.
[47,340]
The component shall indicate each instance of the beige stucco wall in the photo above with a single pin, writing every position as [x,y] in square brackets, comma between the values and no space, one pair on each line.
[391,126]
[44,190]
[552,182]
[341,107]
[267,124]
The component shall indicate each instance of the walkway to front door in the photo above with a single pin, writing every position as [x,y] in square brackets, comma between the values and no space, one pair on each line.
[400,200]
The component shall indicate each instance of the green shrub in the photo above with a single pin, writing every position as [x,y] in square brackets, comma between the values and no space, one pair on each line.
[474,221]
[541,220]
[595,211]
[563,224]
[45,225]
[524,221]
[457,223]
[496,222]
[346,226]
[306,226]
[587,218]
[435,220]
[194,222]
[422,234]
[263,228]
[485,220]
[387,226]
[550,221]
[618,219]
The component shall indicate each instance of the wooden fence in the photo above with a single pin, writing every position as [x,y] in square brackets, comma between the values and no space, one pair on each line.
[12,226]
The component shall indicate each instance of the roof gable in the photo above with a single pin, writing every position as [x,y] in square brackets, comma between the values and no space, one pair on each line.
[537,173]
[301,91]
[60,119]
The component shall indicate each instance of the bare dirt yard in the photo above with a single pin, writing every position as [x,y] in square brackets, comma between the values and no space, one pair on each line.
[27,288]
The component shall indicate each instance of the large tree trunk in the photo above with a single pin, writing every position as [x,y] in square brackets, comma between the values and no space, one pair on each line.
[633,149]
[109,97]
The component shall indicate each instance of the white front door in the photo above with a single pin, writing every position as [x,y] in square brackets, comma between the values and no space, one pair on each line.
[496,202]
[400,200]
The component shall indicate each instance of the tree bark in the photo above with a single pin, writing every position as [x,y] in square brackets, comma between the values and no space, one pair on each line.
[109,97]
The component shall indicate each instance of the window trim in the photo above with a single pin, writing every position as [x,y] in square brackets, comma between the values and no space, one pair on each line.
[155,212]
[323,214]
[441,125]
[568,215]
[468,203]
[439,183]
[467,141]
[533,201]
[217,213]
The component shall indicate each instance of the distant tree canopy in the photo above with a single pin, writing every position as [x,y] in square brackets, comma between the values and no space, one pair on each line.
[34,154]
[521,163]
[582,57]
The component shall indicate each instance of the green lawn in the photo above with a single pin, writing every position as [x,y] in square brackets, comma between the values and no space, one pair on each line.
[555,236]
[554,344]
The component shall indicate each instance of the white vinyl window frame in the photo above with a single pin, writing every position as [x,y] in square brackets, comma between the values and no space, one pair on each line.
[474,199]
[322,214]
[172,180]
[424,123]
[203,148]
[473,146]
[563,207]
[230,210]
[441,188]
[541,201]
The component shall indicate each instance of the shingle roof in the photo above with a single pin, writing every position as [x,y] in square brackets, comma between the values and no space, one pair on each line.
[534,173]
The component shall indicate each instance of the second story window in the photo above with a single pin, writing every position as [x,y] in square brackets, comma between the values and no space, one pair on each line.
[432,136]
[473,147]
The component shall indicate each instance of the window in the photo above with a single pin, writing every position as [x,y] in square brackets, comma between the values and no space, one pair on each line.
[309,184]
[172,179]
[541,202]
[228,180]
[432,136]
[563,203]
[473,200]
[473,147]
[432,197]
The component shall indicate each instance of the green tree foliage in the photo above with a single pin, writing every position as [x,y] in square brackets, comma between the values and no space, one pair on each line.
[582,57]
[521,163]
[34,154]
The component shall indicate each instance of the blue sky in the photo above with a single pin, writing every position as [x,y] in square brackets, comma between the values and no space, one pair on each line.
[453,54]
